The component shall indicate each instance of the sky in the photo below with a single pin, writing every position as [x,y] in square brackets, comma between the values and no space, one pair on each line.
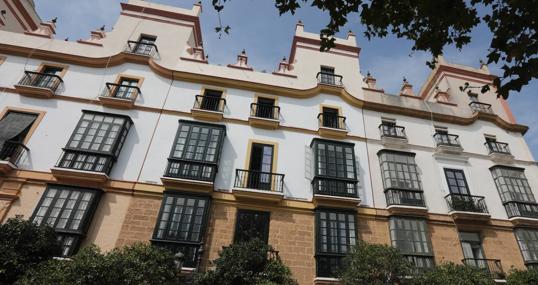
[257,27]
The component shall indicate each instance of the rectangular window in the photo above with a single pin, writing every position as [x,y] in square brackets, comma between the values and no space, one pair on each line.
[265,108]
[126,88]
[330,118]
[457,184]
[181,224]
[399,170]
[211,100]
[335,234]
[335,172]
[14,127]
[196,151]
[145,45]
[327,75]
[251,225]
[261,166]
[96,142]
[411,237]
[512,184]
[69,211]
[528,244]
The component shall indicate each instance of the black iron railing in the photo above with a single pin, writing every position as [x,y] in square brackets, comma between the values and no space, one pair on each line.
[265,111]
[420,263]
[190,169]
[466,203]
[521,209]
[334,121]
[328,265]
[447,139]
[87,161]
[192,252]
[329,78]
[334,187]
[405,197]
[391,130]
[126,92]
[479,107]
[41,80]
[141,48]
[492,266]
[259,180]
[209,103]
[13,151]
[497,147]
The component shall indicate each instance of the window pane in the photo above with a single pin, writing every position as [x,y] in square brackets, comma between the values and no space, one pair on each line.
[399,171]
[251,225]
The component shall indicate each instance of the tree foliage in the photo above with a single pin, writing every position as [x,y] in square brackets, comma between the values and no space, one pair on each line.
[374,264]
[246,264]
[450,273]
[522,277]
[433,25]
[134,264]
[23,245]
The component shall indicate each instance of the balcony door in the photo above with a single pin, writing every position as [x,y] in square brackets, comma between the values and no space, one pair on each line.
[472,249]
[126,90]
[327,75]
[211,100]
[457,184]
[260,166]
[45,80]
[265,108]
[145,45]
[330,117]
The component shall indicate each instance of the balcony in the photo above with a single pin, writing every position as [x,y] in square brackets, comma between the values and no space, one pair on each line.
[392,134]
[83,166]
[258,185]
[332,125]
[329,79]
[405,201]
[36,84]
[335,192]
[478,107]
[119,96]
[467,207]
[420,263]
[145,49]
[522,213]
[492,267]
[193,175]
[209,108]
[264,116]
[447,143]
[10,155]
[499,151]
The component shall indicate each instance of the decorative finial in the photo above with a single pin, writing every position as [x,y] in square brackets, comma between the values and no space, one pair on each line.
[299,22]
[368,73]
[54,20]
[3,12]
[66,39]
[102,28]
[405,80]
[284,59]
[243,52]
[481,62]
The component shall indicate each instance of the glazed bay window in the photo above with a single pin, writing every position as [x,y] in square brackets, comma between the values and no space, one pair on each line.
[515,192]
[196,151]
[181,225]
[336,232]
[69,211]
[401,180]
[528,244]
[335,169]
[96,142]
[411,237]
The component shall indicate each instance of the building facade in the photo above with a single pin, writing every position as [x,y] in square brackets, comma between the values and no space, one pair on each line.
[130,136]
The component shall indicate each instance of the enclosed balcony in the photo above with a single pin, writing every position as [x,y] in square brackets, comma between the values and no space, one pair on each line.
[96,166]
[492,267]
[462,206]
[146,48]
[10,155]
[39,84]
[119,95]
[479,107]
[208,107]
[331,125]
[328,78]
[252,184]
[405,197]
[521,209]
[264,115]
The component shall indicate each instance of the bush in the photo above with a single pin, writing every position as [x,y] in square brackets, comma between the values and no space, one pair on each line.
[134,264]
[522,277]
[246,264]
[450,273]
[374,264]
[23,245]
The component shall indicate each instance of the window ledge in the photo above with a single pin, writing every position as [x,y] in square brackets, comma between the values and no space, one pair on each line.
[255,194]
[523,221]
[190,185]
[79,175]
[394,141]
[406,210]
[34,91]
[501,157]
[207,115]
[332,132]
[326,281]
[116,102]
[336,201]
[448,149]
[6,166]
[469,216]
[264,123]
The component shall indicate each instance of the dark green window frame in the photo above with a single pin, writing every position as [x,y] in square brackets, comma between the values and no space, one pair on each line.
[527,240]
[399,170]
[250,224]
[512,184]
[411,236]
[69,210]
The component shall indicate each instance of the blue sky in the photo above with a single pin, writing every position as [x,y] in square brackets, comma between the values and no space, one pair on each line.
[266,36]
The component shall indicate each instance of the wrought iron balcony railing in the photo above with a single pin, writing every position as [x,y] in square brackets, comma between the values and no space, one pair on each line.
[466,203]
[13,151]
[141,48]
[264,111]
[334,187]
[41,80]
[191,169]
[334,121]
[391,130]
[492,266]
[126,92]
[259,180]
[521,209]
[87,161]
[497,147]
[479,107]
[405,197]
[209,103]
[329,78]
[447,139]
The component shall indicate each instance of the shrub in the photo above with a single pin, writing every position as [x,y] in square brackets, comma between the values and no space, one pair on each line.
[522,277]
[246,264]
[450,273]
[23,245]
